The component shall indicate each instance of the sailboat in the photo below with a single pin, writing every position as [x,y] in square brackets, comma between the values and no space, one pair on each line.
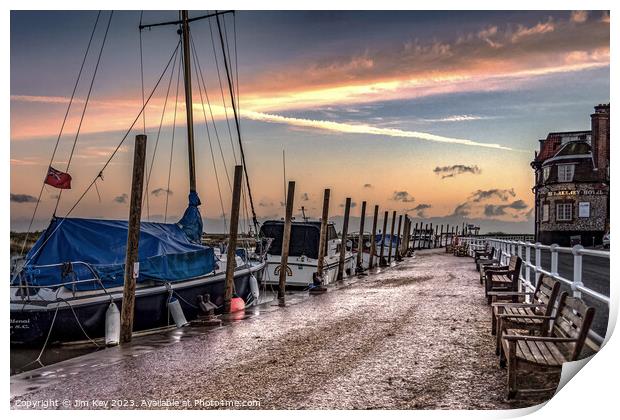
[74,274]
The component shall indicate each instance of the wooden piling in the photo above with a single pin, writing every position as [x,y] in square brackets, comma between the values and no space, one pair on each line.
[383,236]
[286,241]
[435,238]
[441,236]
[405,241]
[391,237]
[231,262]
[323,238]
[415,235]
[132,266]
[430,237]
[397,255]
[360,246]
[373,242]
[343,246]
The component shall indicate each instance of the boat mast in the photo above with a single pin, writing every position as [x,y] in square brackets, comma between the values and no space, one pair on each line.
[187,74]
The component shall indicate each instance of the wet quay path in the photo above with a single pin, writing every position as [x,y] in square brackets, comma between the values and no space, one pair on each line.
[413,336]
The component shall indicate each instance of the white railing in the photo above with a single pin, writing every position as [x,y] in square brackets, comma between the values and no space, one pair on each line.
[575,283]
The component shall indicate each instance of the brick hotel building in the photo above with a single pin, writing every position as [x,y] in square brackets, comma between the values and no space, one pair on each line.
[572,184]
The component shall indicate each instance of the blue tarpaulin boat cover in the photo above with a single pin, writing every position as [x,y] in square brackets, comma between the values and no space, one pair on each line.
[167,251]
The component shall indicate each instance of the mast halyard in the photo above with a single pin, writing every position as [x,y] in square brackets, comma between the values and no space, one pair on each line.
[187,74]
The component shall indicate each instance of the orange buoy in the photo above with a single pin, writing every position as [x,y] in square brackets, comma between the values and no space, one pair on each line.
[237,304]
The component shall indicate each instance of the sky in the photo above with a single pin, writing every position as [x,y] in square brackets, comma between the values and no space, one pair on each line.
[433,114]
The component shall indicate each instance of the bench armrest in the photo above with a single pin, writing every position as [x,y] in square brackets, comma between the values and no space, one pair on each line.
[502,294]
[525,316]
[539,338]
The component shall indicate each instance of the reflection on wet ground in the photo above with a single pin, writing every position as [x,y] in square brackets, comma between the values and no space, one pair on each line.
[413,338]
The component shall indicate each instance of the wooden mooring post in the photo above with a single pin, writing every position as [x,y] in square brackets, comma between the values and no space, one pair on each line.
[430,237]
[391,237]
[359,268]
[286,241]
[343,245]
[373,241]
[382,262]
[319,280]
[441,237]
[132,266]
[399,244]
[231,262]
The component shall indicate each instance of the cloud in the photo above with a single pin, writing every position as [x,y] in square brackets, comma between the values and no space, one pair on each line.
[161,191]
[579,16]
[265,203]
[402,196]
[538,29]
[305,197]
[367,129]
[121,199]
[420,209]
[454,170]
[353,204]
[368,186]
[462,210]
[492,210]
[502,194]
[456,118]
[22,198]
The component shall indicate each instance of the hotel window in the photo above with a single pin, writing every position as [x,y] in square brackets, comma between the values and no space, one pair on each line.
[565,173]
[546,172]
[545,212]
[564,211]
[584,209]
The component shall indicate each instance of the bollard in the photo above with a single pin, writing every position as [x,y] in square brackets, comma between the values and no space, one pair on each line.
[343,245]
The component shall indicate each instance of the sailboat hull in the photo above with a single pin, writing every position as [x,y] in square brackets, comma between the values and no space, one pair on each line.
[83,317]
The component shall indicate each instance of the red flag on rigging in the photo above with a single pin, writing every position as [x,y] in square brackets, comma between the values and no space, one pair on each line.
[58,179]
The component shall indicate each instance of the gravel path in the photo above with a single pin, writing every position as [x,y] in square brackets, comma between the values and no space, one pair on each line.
[415,336]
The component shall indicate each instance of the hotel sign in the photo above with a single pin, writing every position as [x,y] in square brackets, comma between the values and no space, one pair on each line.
[575,193]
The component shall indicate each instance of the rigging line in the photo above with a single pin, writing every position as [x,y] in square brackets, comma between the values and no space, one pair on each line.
[174,126]
[109,159]
[232,98]
[161,121]
[90,89]
[204,113]
[236,63]
[61,130]
[219,78]
[211,112]
[148,207]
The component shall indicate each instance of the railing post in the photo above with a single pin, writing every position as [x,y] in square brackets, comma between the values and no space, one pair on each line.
[537,258]
[528,259]
[577,271]
[554,259]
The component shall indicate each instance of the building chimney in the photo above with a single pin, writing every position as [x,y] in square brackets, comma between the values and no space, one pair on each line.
[600,140]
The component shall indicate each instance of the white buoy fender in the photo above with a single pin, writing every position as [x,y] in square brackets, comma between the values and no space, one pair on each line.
[177,313]
[112,325]
[254,287]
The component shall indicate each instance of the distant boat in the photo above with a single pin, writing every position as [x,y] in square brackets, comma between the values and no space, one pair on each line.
[304,253]
[74,273]
[380,241]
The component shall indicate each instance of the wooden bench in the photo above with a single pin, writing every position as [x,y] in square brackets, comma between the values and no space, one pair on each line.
[461,250]
[493,261]
[486,254]
[547,354]
[543,301]
[502,279]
